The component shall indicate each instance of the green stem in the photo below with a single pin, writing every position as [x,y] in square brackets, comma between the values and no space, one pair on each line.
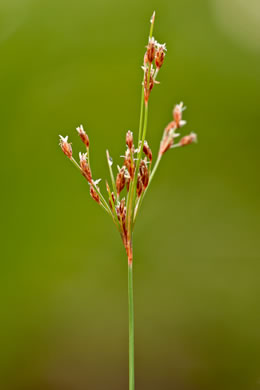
[131,327]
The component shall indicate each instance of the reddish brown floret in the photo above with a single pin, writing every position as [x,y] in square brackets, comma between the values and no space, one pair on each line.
[150,50]
[85,169]
[94,194]
[144,174]
[159,57]
[139,188]
[120,180]
[129,139]
[147,151]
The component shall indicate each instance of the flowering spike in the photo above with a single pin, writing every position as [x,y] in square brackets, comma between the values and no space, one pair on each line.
[85,168]
[129,139]
[188,139]
[66,146]
[177,115]
[144,173]
[83,135]
[150,53]
[139,188]
[94,195]
[120,180]
[147,151]
[159,56]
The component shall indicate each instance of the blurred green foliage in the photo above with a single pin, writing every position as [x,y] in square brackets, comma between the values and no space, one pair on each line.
[64,270]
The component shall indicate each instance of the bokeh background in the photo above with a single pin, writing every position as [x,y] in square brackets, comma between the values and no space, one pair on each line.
[63,268]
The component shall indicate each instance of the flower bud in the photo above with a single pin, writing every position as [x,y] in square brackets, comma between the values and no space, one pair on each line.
[66,146]
[139,187]
[144,173]
[159,57]
[85,169]
[188,139]
[147,151]
[150,53]
[94,194]
[129,139]
[148,88]
[177,115]
[120,180]
[83,135]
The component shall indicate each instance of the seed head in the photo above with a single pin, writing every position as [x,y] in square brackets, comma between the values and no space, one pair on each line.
[159,56]
[151,50]
[188,139]
[85,169]
[177,115]
[83,135]
[147,151]
[94,194]
[148,88]
[66,146]
[139,187]
[120,180]
[129,139]
[144,173]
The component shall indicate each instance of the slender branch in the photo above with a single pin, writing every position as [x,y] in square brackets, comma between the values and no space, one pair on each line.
[103,202]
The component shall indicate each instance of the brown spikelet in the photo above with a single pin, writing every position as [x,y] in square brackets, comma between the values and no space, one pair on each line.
[83,136]
[129,139]
[159,57]
[130,166]
[120,180]
[94,194]
[139,187]
[148,88]
[144,173]
[150,53]
[85,169]
[188,139]
[66,146]
[147,151]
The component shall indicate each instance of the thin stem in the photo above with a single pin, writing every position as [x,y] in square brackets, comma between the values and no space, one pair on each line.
[133,194]
[141,115]
[131,327]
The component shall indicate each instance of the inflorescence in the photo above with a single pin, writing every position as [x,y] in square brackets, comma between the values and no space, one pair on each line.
[131,183]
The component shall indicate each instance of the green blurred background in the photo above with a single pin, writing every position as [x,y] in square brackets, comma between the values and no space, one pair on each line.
[196,267]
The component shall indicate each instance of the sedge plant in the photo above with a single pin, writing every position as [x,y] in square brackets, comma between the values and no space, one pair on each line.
[128,187]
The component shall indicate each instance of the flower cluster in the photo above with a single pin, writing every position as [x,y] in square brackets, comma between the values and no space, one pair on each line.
[129,186]
[170,131]
[155,53]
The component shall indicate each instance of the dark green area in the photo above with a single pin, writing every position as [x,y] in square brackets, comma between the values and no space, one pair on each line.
[196,251]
